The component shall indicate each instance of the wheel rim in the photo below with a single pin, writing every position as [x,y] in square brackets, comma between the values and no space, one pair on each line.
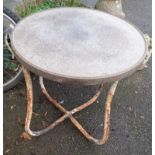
[11,67]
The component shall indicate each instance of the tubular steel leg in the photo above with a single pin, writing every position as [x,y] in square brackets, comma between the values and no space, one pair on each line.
[67,114]
[30,108]
[76,123]
[61,119]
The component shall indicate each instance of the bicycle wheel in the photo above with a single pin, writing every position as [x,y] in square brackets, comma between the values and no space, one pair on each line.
[12,71]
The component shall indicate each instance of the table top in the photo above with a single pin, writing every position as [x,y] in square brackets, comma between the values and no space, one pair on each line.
[78,45]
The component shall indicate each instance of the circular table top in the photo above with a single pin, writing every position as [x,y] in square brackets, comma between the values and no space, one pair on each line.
[78,45]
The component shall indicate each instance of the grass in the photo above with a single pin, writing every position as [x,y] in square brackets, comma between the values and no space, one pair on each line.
[34,6]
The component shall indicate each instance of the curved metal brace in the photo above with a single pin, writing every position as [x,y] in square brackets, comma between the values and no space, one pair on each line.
[105,134]
[108,103]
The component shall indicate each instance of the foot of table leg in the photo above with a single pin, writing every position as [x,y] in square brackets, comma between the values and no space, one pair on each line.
[91,101]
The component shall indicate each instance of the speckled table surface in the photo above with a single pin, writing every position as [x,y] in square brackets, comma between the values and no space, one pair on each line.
[78,44]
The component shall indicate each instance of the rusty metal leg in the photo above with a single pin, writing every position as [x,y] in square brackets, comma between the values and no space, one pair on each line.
[91,101]
[105,135]
[30,108]
[68,114]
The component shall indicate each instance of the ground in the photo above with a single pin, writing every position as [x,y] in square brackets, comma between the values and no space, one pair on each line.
[130,131]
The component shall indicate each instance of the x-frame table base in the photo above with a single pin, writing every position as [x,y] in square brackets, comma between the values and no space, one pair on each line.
[68,114]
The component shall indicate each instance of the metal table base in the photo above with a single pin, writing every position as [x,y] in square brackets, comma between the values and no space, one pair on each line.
[68,114]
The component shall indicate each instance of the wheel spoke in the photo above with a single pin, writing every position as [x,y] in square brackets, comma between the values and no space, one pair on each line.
[8,73]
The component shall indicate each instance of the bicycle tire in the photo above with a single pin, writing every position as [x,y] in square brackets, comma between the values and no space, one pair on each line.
[19,76]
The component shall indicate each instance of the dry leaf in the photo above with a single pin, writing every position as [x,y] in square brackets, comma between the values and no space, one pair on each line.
[136,92]
[12,107]
[130,109]
[36,114]
[142,117]
[7,150]
[45,114]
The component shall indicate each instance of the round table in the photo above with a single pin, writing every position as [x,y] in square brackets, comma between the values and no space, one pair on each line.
[76,46]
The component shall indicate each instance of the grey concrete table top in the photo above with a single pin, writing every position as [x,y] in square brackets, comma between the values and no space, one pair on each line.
[78,45]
